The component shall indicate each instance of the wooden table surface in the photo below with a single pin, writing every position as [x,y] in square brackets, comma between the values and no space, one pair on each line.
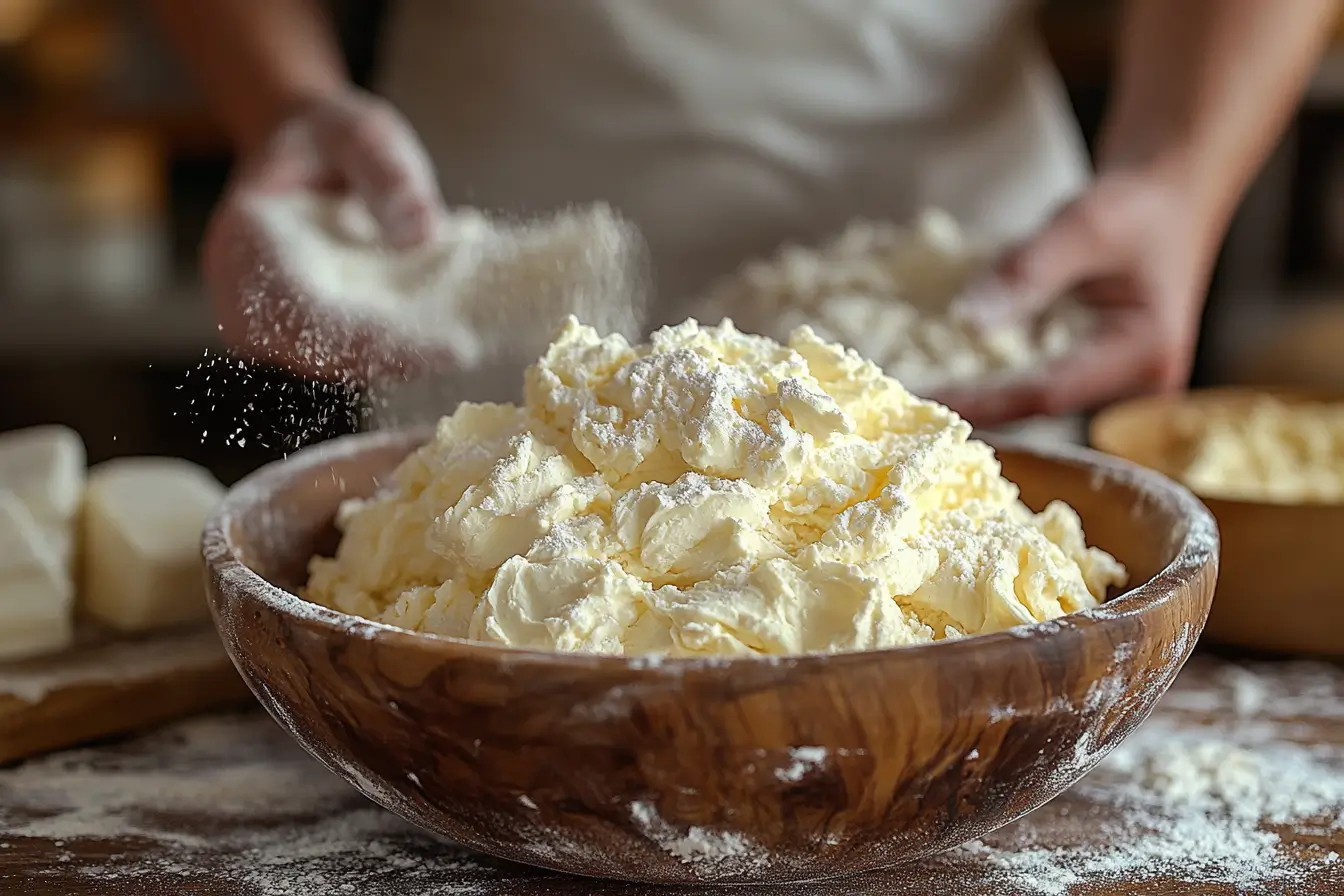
[226,804]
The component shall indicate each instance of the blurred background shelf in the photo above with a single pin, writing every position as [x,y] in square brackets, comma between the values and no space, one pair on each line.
[187,131]
[174,328]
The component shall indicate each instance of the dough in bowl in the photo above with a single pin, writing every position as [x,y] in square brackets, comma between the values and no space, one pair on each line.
[1271,450]
[709,492]
[887,291]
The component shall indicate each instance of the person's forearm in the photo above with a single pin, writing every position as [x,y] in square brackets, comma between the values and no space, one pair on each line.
[1205,88]
[255,59]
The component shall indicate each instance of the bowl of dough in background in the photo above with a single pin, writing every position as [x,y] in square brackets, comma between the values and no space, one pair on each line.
[887,290]
[706,770]
[1269,464]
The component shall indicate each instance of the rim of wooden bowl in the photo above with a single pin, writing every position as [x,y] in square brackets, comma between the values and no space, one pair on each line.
[1198,548]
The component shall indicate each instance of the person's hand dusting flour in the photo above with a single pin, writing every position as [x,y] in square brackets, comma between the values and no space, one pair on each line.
[354,147]
[334,256]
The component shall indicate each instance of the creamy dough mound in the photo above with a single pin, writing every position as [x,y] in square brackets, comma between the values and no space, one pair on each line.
[709,492]
[887,290]
[1274,451]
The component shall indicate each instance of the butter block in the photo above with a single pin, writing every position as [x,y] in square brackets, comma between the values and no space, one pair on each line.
[44,467]
[37,595]
[142,531]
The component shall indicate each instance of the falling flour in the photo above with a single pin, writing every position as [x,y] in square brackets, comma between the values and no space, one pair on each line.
[483,291]
[1219,791]
[475,285]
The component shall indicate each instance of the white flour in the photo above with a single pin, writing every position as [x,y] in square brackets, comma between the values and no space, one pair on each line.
[803,761]
[1197,803]
[231,799]
[230,793]
[698,847]
[487,291]
[887,291]
[332,248]
[1212,775]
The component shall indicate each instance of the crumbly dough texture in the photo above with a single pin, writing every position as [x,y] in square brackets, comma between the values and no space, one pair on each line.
[707,493]
[1275,451]
[887,291]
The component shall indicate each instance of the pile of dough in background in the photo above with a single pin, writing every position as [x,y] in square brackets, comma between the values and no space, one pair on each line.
[707,493]
[1273,450]
[119,542]
[886,291]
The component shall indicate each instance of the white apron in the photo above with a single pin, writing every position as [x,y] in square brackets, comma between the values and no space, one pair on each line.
[725,127]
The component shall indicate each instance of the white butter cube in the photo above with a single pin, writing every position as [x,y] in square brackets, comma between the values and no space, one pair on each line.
[37,596]
[142,530]
[44,467]
[63,541]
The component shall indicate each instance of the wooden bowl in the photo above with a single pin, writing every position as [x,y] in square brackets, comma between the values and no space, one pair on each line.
[1281,587]
[726,771]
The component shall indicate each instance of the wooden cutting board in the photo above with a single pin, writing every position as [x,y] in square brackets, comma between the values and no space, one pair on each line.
[104,687]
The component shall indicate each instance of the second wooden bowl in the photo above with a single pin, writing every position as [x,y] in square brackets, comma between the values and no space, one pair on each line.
[1281,587]
[695,771]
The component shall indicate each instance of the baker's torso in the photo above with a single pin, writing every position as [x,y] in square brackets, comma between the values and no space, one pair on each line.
[726,128]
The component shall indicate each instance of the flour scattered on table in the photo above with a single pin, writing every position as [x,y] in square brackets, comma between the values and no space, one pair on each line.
[226,799]
[1213,775]
[1194,802]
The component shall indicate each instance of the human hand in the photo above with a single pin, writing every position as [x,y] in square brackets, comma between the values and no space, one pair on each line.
[351,143]
[1135,249]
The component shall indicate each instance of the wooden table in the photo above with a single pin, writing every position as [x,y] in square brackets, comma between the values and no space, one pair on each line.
[226,804]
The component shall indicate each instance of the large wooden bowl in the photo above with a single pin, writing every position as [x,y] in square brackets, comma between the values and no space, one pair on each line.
[697,770]
[1281,587]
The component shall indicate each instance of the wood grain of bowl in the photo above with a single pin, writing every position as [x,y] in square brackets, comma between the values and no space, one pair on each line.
[1281,585]
[698,771]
